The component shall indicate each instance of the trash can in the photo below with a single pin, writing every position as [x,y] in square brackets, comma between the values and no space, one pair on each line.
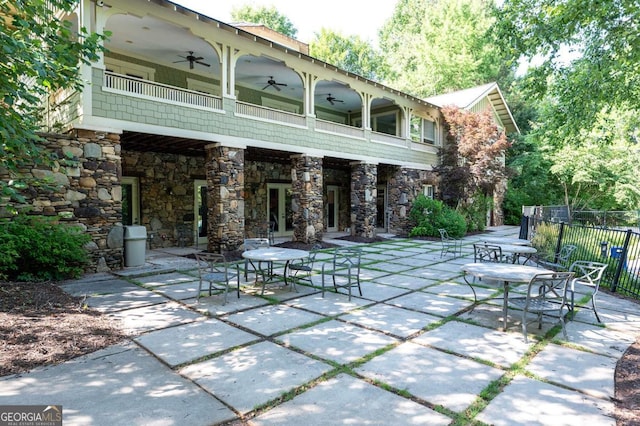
[135,242]
[616,253]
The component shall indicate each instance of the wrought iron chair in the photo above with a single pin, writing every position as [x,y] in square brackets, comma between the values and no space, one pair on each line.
[214,269]
[449,244]
[487,253]
[586,283]
[303,267]
[546,296]
[345,266]
[252,244]
[558,261]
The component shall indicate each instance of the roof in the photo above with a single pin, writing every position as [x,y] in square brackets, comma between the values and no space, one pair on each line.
[468,98]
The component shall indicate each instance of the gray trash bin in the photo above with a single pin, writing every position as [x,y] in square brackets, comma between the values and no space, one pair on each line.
[135,242]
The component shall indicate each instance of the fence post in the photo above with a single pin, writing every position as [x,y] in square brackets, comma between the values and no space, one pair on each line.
[622,260]
[559,244]
[524,227]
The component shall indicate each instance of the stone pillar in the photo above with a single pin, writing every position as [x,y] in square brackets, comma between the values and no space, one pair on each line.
[306,198]
[404,186]
[225,202]
[364,181]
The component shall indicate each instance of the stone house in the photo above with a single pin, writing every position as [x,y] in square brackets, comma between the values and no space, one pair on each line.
[206,132]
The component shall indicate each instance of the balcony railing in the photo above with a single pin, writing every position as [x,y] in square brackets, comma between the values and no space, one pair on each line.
[149,89]
[257,111]
[341,129]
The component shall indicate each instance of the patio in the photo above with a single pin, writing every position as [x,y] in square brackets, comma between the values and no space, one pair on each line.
[409,351]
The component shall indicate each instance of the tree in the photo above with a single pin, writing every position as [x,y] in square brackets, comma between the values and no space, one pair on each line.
[267,16]
[438,46]
[348,53]
[587,52]
[472,160]
[40,55]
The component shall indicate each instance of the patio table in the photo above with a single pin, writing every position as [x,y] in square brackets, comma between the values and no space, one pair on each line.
[507,240]
[505,273]
[274,254]
[515,251]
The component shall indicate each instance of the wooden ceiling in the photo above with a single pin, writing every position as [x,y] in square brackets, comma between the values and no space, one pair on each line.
[145,142]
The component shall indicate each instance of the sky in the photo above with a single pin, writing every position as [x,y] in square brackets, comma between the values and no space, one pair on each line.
[349,17]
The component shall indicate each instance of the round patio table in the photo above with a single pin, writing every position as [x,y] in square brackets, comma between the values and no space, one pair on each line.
[274,254]
[507,240]
[504,272]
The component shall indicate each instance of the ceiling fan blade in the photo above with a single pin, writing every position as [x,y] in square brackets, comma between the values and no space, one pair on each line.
[277,88]
[281,84]
[203,63]
[184,60]
[266,87]
[199,58]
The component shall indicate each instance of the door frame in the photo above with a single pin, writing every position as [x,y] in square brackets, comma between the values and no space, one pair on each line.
[382,191]
[281,225]
[197,184]
[336,208]
[134,183]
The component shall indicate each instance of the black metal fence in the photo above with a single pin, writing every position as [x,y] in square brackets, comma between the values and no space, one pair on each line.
[620,249]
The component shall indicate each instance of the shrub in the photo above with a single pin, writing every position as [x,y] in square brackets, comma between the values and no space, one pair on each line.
[475,212]
[39,249]
[430,215]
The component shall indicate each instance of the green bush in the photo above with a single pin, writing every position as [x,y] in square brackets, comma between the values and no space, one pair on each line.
[430,215]
[475,213]
[33,248]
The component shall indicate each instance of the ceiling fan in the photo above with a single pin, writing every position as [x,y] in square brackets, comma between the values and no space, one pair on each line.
[272,83]
[332,100]
[192,60]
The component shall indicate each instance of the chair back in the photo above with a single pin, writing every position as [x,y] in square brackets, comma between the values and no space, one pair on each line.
[588,273]
[444,235]
[347,257]
[211,263]
[547,291]
[565,253]
[487,253]
[256,243]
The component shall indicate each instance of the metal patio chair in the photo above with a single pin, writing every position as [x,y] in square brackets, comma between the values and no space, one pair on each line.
[587,282]
[252,244]
[302,269]
[344,269]
[449,244]
[487,253]
[214,269]
[546,296]
[558,261]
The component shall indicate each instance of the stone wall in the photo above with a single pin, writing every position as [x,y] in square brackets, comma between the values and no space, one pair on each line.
[84,191]
[364,180]
[166,194]
[306,200]
[404,186]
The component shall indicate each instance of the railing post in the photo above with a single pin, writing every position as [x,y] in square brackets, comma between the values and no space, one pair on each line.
[524,227]
[622,261]
[559,244]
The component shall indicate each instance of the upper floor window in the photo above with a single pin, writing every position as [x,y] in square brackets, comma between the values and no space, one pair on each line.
[423,130]
[127,68]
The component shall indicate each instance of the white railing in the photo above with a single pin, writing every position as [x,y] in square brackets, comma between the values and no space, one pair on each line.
[341,129]
[388,139]
[150,89]
[270,114]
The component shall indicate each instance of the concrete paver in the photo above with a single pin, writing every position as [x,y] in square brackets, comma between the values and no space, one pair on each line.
[529,402]
[272,319]
[432,375]
[120,385]
[254,375]
[391,320]
[346,400]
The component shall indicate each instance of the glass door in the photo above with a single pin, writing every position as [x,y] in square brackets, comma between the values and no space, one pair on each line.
[332,208]
[381,207]
[279,208]
[130,201]
[200,210]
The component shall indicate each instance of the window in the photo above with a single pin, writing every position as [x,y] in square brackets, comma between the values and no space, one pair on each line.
[427,191]
[385,123]
[132,70]
[280,105]
[423,130]
[203,86]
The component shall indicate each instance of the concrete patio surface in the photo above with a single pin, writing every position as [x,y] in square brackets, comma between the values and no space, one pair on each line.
[409,351]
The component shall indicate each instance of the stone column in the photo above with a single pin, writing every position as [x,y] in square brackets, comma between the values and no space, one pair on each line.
[364,180]
[225,203]
[306,198]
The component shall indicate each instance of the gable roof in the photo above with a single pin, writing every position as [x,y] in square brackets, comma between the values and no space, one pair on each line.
[468,98]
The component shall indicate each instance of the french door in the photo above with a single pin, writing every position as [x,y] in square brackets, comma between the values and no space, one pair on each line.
[381,206]
[200,210]
[279,208]
[332,209]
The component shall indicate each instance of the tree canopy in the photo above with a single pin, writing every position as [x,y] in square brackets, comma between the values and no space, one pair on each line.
[438,46]
[349,53]
[40,55]
[267,16]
